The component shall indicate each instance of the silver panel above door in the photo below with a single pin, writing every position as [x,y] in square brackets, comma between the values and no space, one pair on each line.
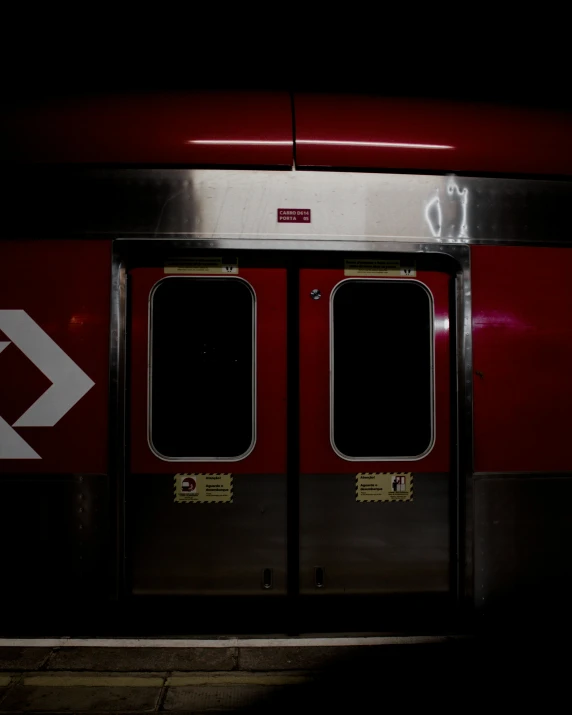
[227,203]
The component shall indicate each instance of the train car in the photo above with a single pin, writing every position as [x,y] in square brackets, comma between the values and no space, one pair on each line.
[284,363]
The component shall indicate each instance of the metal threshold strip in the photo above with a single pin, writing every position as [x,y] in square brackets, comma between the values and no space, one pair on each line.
[333,641]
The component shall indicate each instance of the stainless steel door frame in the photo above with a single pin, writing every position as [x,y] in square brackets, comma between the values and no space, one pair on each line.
[125,249]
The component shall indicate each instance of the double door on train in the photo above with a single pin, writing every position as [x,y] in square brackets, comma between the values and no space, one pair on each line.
[290,427]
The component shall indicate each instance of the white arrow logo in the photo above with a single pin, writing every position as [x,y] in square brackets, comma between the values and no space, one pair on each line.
[70,383]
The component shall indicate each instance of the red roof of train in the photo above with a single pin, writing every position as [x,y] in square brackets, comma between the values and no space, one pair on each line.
[257,129]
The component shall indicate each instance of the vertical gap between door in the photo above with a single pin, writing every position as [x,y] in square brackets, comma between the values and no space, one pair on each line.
[293,453]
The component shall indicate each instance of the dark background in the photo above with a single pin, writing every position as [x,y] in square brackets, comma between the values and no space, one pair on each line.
[521,57]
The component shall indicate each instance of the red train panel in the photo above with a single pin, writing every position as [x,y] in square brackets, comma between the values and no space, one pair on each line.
[522,342]
[243,128]
[316,453]
[255,129]
[269,453]
[374,132]
[54,356]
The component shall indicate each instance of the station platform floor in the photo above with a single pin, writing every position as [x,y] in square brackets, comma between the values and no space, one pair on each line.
[281,675]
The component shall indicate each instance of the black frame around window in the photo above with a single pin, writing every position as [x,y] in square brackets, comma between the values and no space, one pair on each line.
[202,369]
[382,370]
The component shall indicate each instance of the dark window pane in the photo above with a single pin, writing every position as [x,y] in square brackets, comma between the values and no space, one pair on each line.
[382,369]
[202,402]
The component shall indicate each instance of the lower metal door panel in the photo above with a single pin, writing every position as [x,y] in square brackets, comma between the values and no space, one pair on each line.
[374,548]
[523,534]
[56,534]
[207,549]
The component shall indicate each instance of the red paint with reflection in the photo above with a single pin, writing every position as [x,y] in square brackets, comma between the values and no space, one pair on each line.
[64,286]
[153,129]
[255,129]
[316,453]
[269,453]
[481,138]
[522,347]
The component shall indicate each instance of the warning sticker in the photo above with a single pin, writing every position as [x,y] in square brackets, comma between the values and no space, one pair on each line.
[203,488]
[384,486]
[204,265]
[378,267]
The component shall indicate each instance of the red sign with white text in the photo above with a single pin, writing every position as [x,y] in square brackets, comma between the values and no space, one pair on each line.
[294,216]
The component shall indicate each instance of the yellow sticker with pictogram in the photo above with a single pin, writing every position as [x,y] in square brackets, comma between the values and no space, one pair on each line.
[393,268]
[203,488]
[204,265]
[384,486]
